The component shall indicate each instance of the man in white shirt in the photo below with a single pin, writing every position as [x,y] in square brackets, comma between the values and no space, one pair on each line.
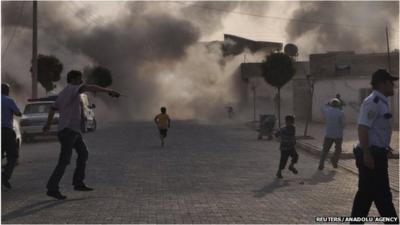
[334,118]
[68,104]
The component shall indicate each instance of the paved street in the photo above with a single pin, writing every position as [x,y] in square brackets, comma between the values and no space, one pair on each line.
[205,174]
[350,138]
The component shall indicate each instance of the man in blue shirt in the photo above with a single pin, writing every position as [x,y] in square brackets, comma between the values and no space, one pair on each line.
[334,118]
[8,136]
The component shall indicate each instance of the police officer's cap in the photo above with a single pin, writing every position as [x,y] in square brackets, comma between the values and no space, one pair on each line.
[382,75]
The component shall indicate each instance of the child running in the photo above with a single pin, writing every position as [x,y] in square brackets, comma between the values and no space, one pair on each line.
[287,146]
[163,122]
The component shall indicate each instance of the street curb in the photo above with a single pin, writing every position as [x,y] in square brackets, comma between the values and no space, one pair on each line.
[317,151]
[311,149]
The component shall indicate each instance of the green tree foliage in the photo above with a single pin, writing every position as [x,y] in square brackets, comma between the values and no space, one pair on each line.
[98,75]
[278,69]
[49,71]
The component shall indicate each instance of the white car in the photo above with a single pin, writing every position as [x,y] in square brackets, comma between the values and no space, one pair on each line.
[17,131]
[34,118]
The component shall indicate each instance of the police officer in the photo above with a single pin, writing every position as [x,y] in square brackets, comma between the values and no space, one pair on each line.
[374,132]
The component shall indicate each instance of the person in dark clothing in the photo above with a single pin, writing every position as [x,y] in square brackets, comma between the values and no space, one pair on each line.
[287,146]
[9,147]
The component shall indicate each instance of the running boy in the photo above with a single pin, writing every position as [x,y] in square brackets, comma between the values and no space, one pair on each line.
[287,146]
[163,122]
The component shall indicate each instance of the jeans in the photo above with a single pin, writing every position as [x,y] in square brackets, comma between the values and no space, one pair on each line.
[9,148]
[328,142]
[69,139]
[285,156]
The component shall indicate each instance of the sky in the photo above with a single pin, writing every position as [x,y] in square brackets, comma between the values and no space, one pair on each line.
[156,50]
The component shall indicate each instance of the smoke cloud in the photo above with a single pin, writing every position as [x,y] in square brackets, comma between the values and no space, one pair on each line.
[154,51]
[361,25]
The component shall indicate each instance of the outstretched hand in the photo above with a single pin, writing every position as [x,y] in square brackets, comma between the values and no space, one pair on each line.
[114,94]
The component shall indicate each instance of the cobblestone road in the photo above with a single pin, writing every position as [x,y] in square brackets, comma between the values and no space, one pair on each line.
[205,174]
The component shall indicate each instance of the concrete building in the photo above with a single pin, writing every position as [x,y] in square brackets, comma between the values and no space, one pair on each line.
[258,91]
[348,74]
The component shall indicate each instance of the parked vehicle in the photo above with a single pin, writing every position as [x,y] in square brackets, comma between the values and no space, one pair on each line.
[34,118]
[18,135]
[89,122]
[36,113]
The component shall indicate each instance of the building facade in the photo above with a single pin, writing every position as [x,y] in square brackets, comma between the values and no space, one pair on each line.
[349,74]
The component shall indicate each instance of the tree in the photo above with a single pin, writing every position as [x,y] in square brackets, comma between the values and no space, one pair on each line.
[277,69]
[98,75]
[49,71]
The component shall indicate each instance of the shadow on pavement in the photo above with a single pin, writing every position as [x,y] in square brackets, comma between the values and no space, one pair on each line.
[36,207]
[269,188]
[321,177]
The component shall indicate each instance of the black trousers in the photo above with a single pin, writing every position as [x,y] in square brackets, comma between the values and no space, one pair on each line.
[373,185]
[9,148]
[69,140]
[163,132]
[285,156]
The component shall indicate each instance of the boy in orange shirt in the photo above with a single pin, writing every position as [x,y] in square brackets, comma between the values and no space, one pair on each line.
[163,122]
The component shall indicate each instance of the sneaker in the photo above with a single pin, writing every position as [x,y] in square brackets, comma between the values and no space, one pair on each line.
[6,183]
[56,195]
[291,168]
[279,175]
[82,188]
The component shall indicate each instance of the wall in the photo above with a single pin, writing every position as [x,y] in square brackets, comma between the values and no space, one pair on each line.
[266,97]
[349,89]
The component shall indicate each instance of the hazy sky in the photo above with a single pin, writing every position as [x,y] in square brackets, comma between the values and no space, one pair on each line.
[268,22]
[153,50]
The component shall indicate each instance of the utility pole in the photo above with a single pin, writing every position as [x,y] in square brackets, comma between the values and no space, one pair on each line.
[388,49]
[34,51]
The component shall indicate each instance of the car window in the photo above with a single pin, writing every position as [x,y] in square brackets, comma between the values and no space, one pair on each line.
[37,108]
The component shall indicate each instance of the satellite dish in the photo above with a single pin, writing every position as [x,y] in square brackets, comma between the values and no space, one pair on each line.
[291,50]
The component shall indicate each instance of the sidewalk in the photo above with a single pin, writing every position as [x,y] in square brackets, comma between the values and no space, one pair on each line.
[313,145]
[350,138]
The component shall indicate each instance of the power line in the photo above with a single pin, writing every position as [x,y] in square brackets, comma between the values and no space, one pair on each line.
[21,11]
[98,20]
[282,18]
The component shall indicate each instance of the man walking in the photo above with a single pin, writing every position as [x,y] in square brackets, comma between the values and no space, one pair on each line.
[334,119]
[374,133]
[68,104]
[8,137]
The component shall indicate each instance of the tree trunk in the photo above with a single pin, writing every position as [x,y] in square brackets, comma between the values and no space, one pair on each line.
[309,109]
[279,108]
